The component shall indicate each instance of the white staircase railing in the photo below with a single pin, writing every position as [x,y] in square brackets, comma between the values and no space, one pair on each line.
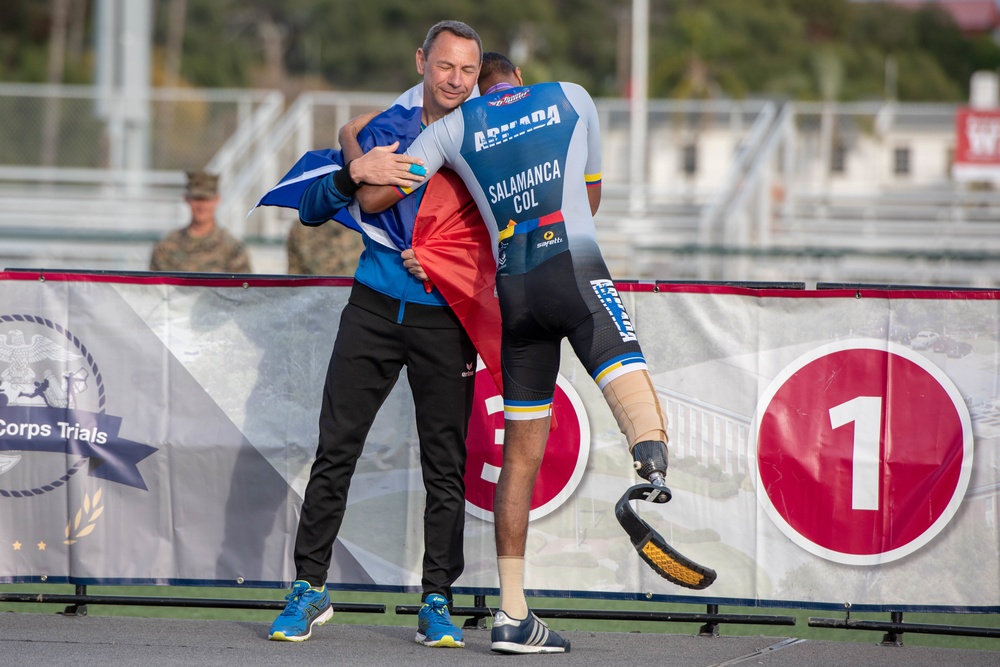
[766,210]
[714,228]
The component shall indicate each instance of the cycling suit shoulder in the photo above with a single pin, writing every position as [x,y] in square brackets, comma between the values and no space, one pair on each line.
[526,153]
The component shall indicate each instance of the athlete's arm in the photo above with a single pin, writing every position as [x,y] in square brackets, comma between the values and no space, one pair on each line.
[348,135]
[430,149]
[594,196]
[592,171]
[377,198]
[327,195]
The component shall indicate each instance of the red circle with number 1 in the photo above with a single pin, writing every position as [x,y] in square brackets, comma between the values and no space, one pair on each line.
[864,451]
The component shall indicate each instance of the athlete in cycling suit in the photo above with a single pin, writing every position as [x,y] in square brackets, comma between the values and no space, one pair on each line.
[531,158]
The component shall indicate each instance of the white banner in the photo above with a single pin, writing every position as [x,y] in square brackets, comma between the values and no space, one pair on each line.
[826,447]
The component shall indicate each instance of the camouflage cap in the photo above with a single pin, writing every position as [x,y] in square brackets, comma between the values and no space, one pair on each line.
[202,185]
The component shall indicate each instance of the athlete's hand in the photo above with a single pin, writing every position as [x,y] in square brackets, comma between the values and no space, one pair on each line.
[383,166]
[348,135]
[412,265]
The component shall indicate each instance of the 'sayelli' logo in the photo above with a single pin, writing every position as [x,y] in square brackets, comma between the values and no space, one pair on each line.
[52,413]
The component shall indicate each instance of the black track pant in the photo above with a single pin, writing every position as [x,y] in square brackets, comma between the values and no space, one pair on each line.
[368,355]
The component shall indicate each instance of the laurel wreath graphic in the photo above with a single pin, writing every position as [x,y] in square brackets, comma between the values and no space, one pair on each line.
[91,511]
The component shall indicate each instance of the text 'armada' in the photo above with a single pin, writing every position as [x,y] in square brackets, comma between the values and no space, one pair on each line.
[494,136]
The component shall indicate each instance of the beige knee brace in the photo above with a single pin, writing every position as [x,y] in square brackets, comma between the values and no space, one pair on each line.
[636,407]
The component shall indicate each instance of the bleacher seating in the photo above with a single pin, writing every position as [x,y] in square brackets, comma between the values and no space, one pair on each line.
[746,216]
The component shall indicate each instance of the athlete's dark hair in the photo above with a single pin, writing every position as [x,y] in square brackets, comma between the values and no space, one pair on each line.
[495,64]
[456,28]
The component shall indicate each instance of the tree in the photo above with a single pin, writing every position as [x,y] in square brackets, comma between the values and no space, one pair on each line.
[699,48]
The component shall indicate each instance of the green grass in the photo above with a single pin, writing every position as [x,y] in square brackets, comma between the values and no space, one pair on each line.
[390,600]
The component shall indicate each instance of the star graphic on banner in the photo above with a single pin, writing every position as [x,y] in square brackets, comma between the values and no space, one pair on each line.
[17,546]
[41,546]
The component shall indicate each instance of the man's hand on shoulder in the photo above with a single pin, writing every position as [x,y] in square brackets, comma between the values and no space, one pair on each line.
[383,166]
[380,169]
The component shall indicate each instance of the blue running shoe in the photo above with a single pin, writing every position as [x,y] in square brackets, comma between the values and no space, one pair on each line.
[528,636]
[434,626]
[306,607]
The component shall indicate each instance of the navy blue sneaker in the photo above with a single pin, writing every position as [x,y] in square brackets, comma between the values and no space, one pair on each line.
[528,636]
[434,626]
[306,607]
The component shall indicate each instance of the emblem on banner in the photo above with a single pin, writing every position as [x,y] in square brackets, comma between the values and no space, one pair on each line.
[52,413]
[864,451]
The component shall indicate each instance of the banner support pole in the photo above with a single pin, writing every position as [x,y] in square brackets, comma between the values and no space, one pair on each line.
[77,609]
[894,637]
[710,629]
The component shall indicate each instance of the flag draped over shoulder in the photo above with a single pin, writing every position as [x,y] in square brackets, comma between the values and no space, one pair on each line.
[440,222]
[310,167]
[453,246]
[391,228]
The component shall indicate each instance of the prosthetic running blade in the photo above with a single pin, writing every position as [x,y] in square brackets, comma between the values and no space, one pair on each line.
[664,559]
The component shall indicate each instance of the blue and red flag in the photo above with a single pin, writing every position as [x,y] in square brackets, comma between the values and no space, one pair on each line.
[453,246]
[310,167]
[441,222]
[392,228]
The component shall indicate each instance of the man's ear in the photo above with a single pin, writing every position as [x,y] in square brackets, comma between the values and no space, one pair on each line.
[517,73]
[420,61]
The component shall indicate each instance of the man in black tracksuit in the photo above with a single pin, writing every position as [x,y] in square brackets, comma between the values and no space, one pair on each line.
[391,321]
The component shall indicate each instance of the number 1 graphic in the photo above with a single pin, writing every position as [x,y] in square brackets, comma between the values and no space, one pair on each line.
[866,414]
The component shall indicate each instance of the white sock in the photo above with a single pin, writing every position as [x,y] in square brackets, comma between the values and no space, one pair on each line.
[512,600]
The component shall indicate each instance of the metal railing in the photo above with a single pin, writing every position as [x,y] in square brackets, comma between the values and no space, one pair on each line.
[762,202]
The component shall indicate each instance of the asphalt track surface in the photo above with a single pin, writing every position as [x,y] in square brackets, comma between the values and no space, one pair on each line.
[52,639]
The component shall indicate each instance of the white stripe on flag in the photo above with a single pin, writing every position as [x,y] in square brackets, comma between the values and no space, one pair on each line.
[312,173]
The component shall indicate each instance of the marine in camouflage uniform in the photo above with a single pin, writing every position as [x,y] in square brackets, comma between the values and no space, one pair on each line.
[219,252]
[327,250]
[202,246]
